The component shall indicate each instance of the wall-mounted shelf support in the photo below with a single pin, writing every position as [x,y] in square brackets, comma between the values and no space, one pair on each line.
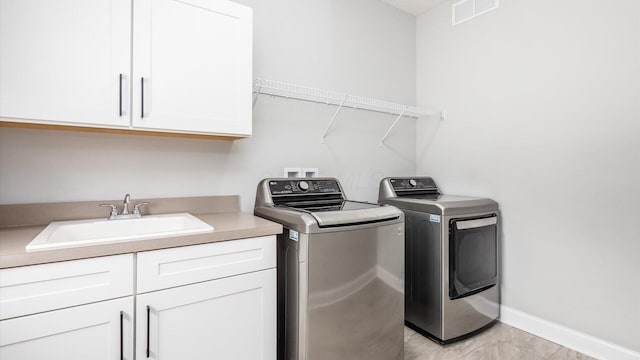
[392,125]
[256,90]
[298,92]
[333,118]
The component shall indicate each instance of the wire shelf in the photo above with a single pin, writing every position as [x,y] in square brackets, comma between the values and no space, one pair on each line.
[299,92]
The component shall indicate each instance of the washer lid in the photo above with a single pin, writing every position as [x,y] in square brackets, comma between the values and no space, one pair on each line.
[317,204]
[344,212]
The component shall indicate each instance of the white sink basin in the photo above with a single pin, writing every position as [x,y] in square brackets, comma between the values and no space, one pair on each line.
[76,233]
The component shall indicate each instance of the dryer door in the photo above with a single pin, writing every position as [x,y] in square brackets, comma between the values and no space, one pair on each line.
[473,256]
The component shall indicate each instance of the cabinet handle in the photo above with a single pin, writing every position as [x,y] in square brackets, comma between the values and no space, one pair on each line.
[121,335]
[148,321]
[120,95]
[142,100]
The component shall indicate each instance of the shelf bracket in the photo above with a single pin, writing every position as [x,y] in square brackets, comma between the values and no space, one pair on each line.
[333,119]
[255,99]
[392,125]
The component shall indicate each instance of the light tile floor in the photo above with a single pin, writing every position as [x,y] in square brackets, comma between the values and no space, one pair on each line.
[500,342]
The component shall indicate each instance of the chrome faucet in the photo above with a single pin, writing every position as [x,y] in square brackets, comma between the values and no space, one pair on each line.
[125,205]
[113,215]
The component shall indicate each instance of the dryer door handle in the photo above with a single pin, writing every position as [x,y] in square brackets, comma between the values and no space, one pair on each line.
[476,223]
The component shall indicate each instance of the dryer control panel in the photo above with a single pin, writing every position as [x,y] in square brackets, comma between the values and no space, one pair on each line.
[418,183]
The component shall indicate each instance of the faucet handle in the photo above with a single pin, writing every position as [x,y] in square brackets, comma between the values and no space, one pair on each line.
[114,209]
[136,208]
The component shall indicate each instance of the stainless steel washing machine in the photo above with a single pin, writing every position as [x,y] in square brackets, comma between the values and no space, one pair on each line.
[451,259]
[340,272]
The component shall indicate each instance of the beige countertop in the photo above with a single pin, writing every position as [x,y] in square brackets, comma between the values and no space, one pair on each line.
[227,226]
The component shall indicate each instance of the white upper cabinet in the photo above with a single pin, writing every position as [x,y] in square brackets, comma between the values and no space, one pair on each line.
[192,66]
[149,65]
[62,61]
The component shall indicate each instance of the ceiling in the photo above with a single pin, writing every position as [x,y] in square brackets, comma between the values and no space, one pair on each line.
[415,7]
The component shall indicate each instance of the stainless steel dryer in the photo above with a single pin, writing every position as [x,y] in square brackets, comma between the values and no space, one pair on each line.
[340,272]
[451,259]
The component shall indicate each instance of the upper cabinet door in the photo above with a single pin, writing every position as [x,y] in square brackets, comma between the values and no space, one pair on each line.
[192,66]
[65,61]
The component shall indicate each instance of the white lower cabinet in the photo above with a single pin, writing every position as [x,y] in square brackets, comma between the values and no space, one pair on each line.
[210,301]
[98,331]
[38,288]
[228,318]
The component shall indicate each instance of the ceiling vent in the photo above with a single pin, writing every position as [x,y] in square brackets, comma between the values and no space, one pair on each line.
[468,9]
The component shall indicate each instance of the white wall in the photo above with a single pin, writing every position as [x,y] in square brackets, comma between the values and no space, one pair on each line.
[544,116]
[361,47]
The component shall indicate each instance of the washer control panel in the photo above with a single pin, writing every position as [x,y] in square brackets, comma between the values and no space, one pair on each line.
[299,187]
[425,183]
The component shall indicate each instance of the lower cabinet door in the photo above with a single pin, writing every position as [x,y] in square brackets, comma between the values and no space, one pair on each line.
[229,318]
[98,331]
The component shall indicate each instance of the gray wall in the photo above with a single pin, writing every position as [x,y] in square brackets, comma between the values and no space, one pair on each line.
[544,105]
[360,47]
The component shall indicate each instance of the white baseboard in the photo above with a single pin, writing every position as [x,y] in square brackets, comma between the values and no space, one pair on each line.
[580,342]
